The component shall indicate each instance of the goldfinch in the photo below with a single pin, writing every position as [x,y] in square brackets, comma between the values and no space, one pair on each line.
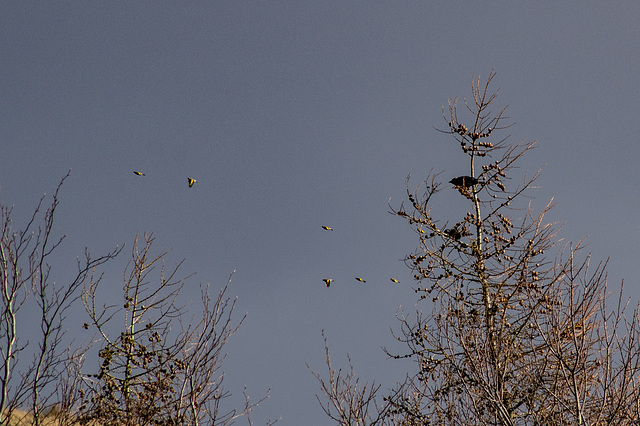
[326,228]
[394,280]
[327,281]
[138,173]
[360,279]
[191,182]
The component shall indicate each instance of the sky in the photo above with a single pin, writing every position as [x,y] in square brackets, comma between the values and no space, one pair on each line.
[293,115]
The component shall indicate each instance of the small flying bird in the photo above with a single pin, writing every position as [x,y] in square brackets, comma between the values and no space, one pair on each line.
[138,173]
[326,228]
[360,279]
[327,281]
[464,181]
[394,280]
[191,182]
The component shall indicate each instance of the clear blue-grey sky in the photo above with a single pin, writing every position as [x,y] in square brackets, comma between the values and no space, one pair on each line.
[292,115]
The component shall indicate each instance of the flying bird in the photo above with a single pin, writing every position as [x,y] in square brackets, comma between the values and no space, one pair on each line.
[326,228]
[138,173]
[191,182]
[394,280]
[464,181]
[360,279]
[327,281]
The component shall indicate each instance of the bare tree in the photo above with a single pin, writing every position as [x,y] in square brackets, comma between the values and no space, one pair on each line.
[158,370]
[24,279]
[512,337]
[348,401]
[200,381]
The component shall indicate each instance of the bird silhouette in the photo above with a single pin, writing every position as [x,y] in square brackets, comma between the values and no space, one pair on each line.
[327,281]
[138,173]
[464,181]
[326,228]
[191,182]
[394,280]
[360,279]
[457,232]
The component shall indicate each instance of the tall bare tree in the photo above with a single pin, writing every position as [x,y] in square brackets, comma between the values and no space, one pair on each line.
[512,336]
[25,282]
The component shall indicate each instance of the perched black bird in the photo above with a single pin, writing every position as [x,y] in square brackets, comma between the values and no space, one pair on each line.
[464,181]
[457,232]
[453,233]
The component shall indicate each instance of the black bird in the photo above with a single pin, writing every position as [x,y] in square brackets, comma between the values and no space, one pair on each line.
[453,233]
[464,181]
[457,232]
